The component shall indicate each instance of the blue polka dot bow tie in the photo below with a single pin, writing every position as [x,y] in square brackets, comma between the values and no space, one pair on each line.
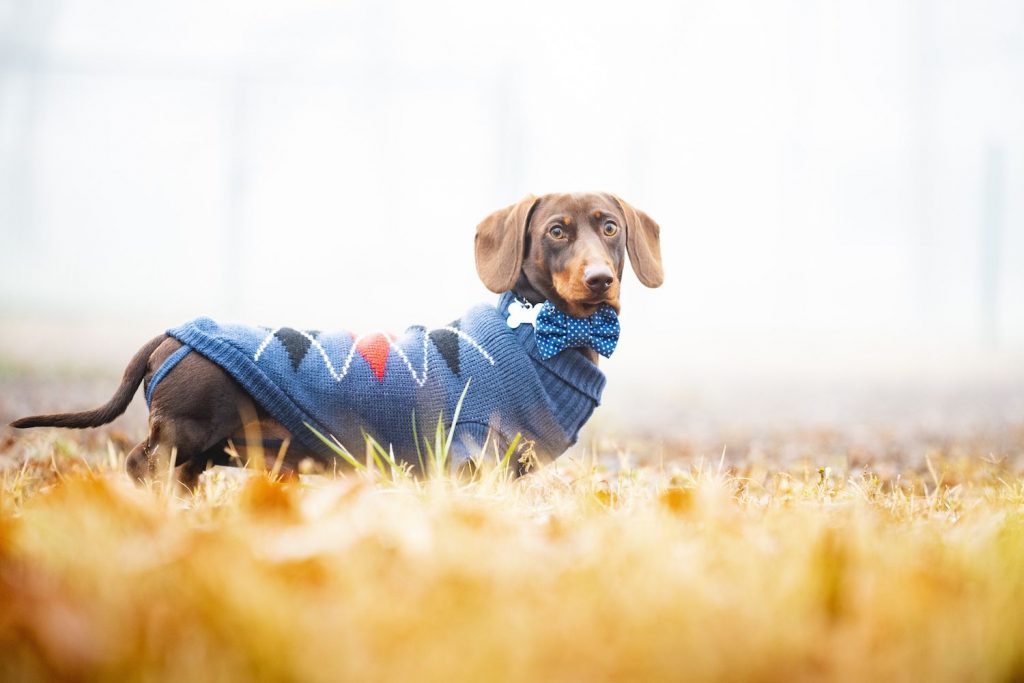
[557,331]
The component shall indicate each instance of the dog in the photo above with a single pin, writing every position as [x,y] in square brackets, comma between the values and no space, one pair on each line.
[524,370]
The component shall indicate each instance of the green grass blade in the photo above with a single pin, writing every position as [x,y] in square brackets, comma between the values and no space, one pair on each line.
[380,456]
[416,440]
[455,420]
[372,459]
[337,448]
[510,451]
[439,454]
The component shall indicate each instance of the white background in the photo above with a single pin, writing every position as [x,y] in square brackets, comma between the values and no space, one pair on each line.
[840,185]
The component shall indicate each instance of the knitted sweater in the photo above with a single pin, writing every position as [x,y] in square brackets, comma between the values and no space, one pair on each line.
[342,384]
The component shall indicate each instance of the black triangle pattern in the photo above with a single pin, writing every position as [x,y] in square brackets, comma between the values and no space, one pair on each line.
[447,343]
[295,343]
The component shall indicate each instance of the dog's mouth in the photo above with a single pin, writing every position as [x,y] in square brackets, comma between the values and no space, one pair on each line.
[597,302]
[584,308]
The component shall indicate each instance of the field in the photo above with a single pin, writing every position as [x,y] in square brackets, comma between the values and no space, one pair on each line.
[856,553]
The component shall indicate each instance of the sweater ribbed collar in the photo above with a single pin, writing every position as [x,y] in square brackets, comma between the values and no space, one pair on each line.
[571,365]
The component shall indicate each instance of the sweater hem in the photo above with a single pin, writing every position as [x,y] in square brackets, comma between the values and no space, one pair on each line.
[257,384]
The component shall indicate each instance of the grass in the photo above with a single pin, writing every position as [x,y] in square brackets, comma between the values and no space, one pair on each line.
[690,571]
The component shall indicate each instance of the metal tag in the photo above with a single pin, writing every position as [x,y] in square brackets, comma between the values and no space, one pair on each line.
[519,313]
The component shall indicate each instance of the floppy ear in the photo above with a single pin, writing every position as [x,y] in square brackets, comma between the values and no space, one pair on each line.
[643,243]
[499,244]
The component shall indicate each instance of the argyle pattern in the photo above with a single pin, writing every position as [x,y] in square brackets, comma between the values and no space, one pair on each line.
[394,386]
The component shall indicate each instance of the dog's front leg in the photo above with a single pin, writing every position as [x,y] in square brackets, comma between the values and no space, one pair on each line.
[473,443]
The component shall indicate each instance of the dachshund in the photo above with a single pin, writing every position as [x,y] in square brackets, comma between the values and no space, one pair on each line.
[566,249]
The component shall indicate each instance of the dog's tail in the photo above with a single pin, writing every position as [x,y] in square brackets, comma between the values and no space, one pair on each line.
[133,375]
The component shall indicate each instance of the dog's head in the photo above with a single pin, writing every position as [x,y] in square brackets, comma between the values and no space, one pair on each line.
[568,248]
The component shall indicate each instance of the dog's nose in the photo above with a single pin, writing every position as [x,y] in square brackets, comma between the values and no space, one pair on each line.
[598,278]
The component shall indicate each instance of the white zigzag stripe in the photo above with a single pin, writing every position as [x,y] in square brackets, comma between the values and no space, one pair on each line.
[422,379]
[265,343]
[472,342]
[419,378]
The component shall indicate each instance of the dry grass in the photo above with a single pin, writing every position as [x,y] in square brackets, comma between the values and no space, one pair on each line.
[578,572]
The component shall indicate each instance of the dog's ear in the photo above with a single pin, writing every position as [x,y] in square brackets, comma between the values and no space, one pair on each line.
[499,244]
[643,243]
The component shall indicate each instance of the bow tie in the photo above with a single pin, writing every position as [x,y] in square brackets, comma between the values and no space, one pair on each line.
[557,331]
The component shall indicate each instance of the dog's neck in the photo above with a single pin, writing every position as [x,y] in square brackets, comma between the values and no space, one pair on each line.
[525,291]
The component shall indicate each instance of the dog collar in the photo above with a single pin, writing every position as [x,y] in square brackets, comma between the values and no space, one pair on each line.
[557,331]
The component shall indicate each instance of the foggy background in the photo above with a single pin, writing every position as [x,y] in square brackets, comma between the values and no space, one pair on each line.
[839,185]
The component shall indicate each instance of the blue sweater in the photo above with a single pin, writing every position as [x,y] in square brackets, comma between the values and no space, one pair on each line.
[342,384]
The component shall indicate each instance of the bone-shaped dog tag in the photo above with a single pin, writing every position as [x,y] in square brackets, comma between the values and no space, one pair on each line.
[518,313]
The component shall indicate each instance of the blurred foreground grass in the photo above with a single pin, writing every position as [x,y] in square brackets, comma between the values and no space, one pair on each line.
[579,572]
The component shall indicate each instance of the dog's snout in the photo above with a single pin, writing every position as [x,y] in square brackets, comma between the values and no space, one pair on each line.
[599,279]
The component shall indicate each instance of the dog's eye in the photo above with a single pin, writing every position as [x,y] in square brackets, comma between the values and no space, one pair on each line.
[557,231]
[610,229]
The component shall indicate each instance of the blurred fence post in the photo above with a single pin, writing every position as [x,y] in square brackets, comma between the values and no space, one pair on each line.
[991,238]
[23,47]
[237,165]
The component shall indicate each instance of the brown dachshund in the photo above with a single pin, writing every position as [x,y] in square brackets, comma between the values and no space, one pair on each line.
[568,249]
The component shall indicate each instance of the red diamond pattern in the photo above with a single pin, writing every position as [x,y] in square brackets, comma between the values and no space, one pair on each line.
[374,349]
